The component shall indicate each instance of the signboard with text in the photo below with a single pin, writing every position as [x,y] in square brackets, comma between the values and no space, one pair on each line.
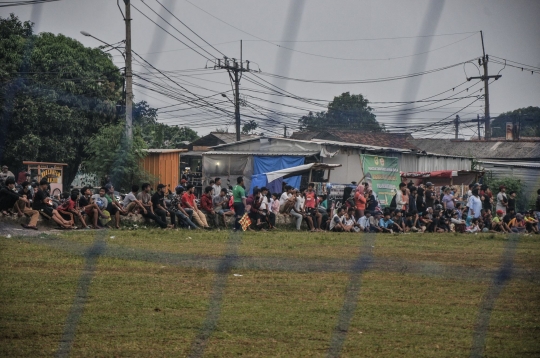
[383,176]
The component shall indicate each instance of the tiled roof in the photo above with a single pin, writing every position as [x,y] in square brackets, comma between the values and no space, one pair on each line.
[391,140]
[481,149]
[231,137]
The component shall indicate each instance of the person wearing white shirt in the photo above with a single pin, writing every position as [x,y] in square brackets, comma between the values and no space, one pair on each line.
[475,204]
[286,201]
[216,188]
[363,222]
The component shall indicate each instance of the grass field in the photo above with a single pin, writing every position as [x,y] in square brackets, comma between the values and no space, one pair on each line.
[151,292]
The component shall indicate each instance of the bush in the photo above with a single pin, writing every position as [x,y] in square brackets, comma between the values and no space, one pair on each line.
[512,184]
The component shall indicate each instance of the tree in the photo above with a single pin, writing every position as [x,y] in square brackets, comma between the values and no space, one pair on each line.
[109,154]
[249,127]
[530,122]
[345,112]
[162,136]
[54,95]
[143,114]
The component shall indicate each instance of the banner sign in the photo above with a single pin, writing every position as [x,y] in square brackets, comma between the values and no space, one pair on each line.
[383,176]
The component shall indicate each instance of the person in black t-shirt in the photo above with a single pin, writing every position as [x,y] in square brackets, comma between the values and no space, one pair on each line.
[43,204]
[512,201]
[430,196]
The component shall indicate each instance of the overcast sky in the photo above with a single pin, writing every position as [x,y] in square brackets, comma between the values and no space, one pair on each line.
[390,39]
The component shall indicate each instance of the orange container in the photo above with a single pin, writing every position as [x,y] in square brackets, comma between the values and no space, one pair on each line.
[164,164]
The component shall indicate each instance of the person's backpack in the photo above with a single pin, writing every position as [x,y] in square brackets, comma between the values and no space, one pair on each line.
[393,204]
[351,202]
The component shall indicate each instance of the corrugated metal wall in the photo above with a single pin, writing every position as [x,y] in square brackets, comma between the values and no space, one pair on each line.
[530,177]
[423,163]
[165,167]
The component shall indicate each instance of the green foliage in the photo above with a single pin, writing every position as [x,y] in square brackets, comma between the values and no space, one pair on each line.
[512,184]
[109,154]
[345,112]
[162,136]
[530,122]
[249,127]
[54,95]
[143,114]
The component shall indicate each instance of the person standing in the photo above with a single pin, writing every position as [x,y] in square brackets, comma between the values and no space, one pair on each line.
[430,195]
[239,200]
[474,204]
[512,201]
[502,199]
[216,188]
[359,201]
[448,201]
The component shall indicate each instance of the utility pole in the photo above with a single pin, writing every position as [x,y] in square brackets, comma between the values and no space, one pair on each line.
[284,131]
[478,122]
[129,74]
[456,124]
[235,71]
[484,62]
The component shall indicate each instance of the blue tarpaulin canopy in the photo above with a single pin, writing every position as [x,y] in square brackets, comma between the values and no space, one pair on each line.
[264,165]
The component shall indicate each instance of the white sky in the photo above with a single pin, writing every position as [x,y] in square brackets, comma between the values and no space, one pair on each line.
[511,31]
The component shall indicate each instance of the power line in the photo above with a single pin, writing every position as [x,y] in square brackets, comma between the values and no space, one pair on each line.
[22,3]
[155,23]
[373,80]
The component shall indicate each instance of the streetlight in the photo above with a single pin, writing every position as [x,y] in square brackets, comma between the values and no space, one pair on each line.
[129,76]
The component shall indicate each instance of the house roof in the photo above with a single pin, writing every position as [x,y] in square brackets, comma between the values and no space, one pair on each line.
[378,139]
[218,138]
[165,150]
[481,149]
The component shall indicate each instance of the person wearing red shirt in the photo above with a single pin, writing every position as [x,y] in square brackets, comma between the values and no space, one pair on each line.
[311,206]
[207,206]
[359,201]
[69,209]
[188,202]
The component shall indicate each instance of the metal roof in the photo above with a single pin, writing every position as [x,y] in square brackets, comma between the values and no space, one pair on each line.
[266,154]
[165,150]
[495,150]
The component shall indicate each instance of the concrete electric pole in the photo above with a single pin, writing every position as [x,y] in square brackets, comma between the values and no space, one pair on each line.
[235,70]
[129,74]
[484,62]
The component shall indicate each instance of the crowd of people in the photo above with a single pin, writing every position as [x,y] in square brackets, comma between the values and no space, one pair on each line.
[413,209]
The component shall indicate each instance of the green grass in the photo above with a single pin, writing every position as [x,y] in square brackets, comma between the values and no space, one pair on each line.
[156,309]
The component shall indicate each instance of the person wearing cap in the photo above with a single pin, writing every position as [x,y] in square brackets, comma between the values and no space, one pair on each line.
[6,173]
[498,223]
[517,225]
[429,195]
[502,199]
[530,222]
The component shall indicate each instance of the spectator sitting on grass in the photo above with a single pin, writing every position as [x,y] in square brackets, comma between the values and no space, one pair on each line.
[131,204]
[92,210]
[176,210]
[9,198]
[221,206]
[146,199]
[386,223]
[43,204]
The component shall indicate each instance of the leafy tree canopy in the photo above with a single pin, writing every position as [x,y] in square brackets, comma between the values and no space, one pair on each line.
[54,95]
[108,154]
[530,122]
[249,127]
[345,112]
